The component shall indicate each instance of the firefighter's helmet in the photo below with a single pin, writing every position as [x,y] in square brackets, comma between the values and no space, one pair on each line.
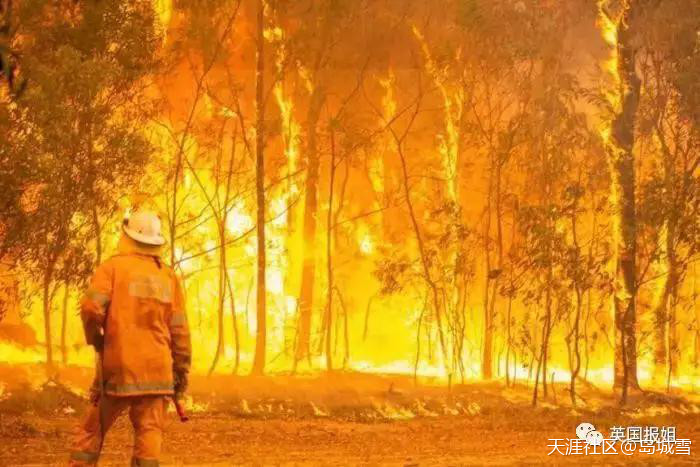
[144,227]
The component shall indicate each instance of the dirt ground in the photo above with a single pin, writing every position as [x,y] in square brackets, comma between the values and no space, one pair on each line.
[343,419]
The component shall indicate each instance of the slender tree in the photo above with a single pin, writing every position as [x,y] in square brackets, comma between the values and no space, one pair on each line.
[261,290]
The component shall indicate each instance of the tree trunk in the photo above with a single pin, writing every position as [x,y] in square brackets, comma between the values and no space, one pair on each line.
[576,353]
[310,220]
[576,329]
[537,374]
[234,319]
[98,235]
[329,258]
[222,296]
[492,274]
[660,333]
[547,330]
[509,340]
[622,161]
[64,324]
[592,252]
[48,276]
[487,357]
[261,331]
[224,258]
[487,352]
[696,307]
[172,227]
[509,330]
[673,337]
[346,331]
[662,313]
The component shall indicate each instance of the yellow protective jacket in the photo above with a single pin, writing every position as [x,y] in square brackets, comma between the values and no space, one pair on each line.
[137,303]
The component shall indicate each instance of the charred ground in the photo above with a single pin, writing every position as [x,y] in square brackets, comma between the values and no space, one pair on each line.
[338,419]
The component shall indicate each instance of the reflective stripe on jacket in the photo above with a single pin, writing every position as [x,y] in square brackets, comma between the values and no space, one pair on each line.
[139,305]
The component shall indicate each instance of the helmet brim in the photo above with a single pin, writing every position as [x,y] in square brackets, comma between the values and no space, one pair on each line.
[157,240]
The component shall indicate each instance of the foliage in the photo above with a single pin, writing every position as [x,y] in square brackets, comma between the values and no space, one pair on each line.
[79,122]
[74,143]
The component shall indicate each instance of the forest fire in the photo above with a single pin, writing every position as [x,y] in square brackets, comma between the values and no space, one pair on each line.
[361,211]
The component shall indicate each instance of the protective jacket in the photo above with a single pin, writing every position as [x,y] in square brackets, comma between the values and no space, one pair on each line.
[134,309]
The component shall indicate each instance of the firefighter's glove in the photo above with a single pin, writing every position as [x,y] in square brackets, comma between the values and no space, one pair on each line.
[95,392]
[94,336]
[180,384]
[98,343]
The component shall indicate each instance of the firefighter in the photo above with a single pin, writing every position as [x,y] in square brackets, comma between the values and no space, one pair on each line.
[133,314]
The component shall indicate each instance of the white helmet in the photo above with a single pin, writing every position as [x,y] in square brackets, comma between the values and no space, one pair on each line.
[144,227]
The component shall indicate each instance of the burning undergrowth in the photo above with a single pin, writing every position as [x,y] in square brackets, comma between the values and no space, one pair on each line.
[371,409]
[342,397]
[52,397]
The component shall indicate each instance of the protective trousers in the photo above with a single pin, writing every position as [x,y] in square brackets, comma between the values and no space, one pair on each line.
[146,413]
